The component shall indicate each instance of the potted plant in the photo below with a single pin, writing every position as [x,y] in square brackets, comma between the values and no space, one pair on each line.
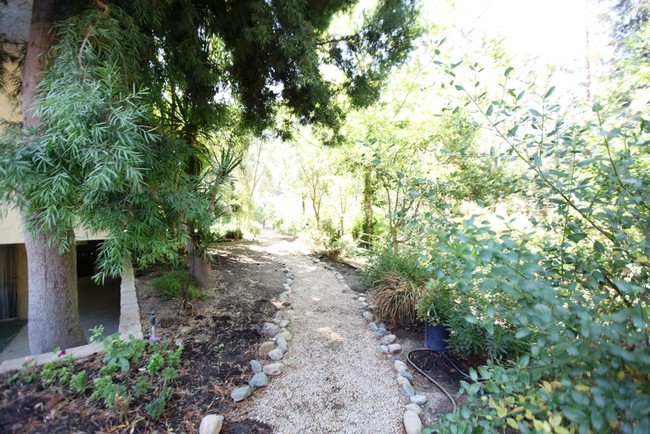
[437,308]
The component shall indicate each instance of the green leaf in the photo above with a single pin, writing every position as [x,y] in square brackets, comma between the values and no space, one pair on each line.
[489,110]
[549,92]
[508,71]
[522,333]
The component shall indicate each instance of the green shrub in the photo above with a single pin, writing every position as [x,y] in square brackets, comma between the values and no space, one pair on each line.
[406,265]
[234,234]
[177,285]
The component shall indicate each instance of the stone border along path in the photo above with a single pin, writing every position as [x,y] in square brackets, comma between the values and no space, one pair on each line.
[342,372]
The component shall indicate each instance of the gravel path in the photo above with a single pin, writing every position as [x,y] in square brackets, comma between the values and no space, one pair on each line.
[336,380]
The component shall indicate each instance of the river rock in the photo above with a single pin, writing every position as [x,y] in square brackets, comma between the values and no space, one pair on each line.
[266,348]
[259,380]
[383,349]
[412,422]
[256,366]
[388,339]
[273,369]
[394,348]
[282,344]
[408,390]
[399,366]
[240,393]
[284,335]
[419,399]
[407,375]
[373,327]
[269,330]
[283,297]
[276,354]
[211,424]
[368,316]
[414,407]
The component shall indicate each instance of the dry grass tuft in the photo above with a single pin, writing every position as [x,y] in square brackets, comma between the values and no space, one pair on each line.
[396,298]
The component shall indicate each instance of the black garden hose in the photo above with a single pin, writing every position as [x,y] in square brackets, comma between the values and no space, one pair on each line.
[408,357]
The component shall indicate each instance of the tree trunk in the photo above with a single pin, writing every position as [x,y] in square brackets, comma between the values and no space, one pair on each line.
[53,298]
[199,267]
[368,218]
[53,306]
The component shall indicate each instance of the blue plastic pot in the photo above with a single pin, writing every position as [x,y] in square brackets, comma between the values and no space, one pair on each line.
[435,337]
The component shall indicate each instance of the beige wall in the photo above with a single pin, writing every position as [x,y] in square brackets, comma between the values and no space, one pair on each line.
[11,230]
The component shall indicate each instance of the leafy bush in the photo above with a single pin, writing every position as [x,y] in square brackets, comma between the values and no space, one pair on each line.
[574,288]
[178,285]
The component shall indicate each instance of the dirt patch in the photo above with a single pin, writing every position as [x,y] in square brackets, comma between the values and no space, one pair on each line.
[219,334]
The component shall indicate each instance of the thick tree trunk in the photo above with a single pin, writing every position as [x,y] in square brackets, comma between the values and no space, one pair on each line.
[53,310]
[199,267]
[53,316]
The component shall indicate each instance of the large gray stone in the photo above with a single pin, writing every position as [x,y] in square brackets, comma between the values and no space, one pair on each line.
[412,422]
[256,366]
[241,393]
[269,330]
[407,375]
[211,424]
[276,354]
[282,344]
[259,380]
[408,390]
[388,339]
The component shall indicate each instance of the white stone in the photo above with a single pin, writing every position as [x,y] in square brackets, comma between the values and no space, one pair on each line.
[419,399]
[412,422]
[284,335]
[273,369]
[276,354]
[399,366]
[256,366]
[259,380]
[414,407]
[394,348]
[240,393]
[282,344]
[402,380]
[211,424]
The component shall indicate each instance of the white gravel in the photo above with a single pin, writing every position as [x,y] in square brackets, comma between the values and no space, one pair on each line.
[335,380]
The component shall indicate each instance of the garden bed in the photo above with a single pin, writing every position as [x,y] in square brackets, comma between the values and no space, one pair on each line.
[219,338]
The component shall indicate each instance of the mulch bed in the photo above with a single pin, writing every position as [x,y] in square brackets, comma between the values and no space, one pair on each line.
[220,337]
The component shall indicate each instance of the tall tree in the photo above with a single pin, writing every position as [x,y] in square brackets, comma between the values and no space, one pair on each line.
[94,152]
